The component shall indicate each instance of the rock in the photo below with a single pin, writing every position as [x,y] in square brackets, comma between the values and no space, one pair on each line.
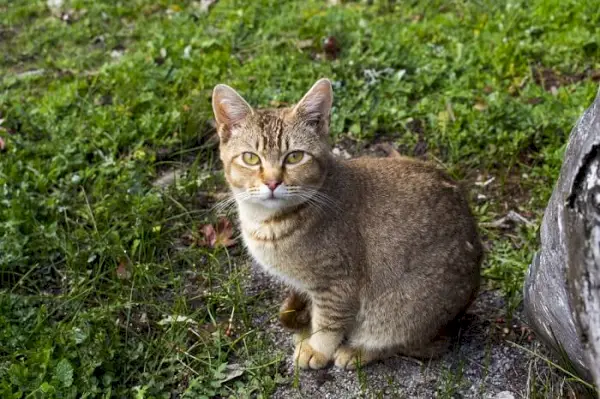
[504,395]
[168,178]
[562,288]
[341,153]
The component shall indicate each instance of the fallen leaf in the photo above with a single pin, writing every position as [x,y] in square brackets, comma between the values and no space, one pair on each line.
[504,222]
[485,183]
[123,272]
[302,44]
[218,235]
[210,235]
[331,47]
[479,106]
[177,319]
[232,371]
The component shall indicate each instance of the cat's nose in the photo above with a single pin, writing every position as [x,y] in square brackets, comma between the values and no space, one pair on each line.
[272,184]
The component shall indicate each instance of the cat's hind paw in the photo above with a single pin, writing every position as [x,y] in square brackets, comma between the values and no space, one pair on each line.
[348,358]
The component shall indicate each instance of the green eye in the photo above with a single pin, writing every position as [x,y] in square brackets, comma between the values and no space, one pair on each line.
[294,157]
[250,158]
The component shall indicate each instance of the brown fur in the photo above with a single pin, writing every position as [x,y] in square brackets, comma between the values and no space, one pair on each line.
[382,254]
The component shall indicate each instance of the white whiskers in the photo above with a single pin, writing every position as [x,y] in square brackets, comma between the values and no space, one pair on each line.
[225,205]
[316,198]
[321,202]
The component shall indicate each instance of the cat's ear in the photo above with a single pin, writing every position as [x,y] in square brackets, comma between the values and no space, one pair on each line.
[315,106]
[229,108]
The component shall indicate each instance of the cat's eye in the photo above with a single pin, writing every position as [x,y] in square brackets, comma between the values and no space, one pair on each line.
[294,157]
[250,158]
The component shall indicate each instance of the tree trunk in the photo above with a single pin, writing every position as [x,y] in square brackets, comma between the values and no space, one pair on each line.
[562,288]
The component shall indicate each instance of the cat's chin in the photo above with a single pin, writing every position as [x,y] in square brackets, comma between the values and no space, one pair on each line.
[271,204]
[274,203]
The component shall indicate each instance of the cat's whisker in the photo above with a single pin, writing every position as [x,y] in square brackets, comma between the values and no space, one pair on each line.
[223,205]
[314,197]
[228,203]
[309,200]
[321,198]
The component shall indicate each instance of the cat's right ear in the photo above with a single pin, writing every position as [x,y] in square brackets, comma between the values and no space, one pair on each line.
[315,106]
[229,108]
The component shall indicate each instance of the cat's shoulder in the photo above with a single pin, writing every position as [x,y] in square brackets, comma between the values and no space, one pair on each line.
[400,172]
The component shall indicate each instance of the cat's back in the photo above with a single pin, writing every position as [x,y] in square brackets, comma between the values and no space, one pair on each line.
[414,222]
[410,197]
[390,181]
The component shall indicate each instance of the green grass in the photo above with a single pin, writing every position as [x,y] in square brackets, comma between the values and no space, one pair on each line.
[95,106]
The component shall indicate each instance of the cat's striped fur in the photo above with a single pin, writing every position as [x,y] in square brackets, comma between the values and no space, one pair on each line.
[383,253]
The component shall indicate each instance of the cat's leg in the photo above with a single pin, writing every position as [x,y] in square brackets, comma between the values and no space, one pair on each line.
[294,313]
[407,322]
[350,357]
[328,325]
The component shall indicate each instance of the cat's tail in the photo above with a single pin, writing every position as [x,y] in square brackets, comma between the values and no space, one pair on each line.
[294,313]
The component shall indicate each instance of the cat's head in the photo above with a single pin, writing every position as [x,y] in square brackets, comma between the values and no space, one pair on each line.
[279,158]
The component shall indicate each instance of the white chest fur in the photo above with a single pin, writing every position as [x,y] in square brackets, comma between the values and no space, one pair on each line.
[263,245]
[270,258]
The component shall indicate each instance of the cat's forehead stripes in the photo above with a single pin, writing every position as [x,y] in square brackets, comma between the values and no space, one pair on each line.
[271,126]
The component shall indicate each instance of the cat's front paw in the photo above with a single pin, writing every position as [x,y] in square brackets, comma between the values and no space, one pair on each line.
[305,356]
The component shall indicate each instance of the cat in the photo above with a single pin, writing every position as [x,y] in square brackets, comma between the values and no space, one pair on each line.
[381,253]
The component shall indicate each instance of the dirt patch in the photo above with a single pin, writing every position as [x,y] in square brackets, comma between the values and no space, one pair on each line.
[551,79]
[382,146]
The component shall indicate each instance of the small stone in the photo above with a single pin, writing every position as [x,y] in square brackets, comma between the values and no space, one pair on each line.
[504,395]
[341,153]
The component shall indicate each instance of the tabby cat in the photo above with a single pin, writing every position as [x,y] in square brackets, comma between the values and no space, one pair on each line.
[381,253]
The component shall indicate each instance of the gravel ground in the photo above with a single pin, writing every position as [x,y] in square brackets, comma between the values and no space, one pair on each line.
[484,363]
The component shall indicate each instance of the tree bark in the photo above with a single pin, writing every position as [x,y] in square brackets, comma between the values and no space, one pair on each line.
[583,243]
[562,288]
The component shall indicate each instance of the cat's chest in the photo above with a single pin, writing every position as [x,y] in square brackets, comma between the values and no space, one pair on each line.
[277,257]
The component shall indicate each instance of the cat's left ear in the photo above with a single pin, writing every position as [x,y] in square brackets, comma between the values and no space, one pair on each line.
[229,108]
[315,106]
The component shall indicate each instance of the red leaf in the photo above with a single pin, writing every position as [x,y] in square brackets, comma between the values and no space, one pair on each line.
[210,236]
[219,235]
[123,272]
[331,47]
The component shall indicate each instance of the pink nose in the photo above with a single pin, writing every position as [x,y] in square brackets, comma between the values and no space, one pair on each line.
[272,184]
